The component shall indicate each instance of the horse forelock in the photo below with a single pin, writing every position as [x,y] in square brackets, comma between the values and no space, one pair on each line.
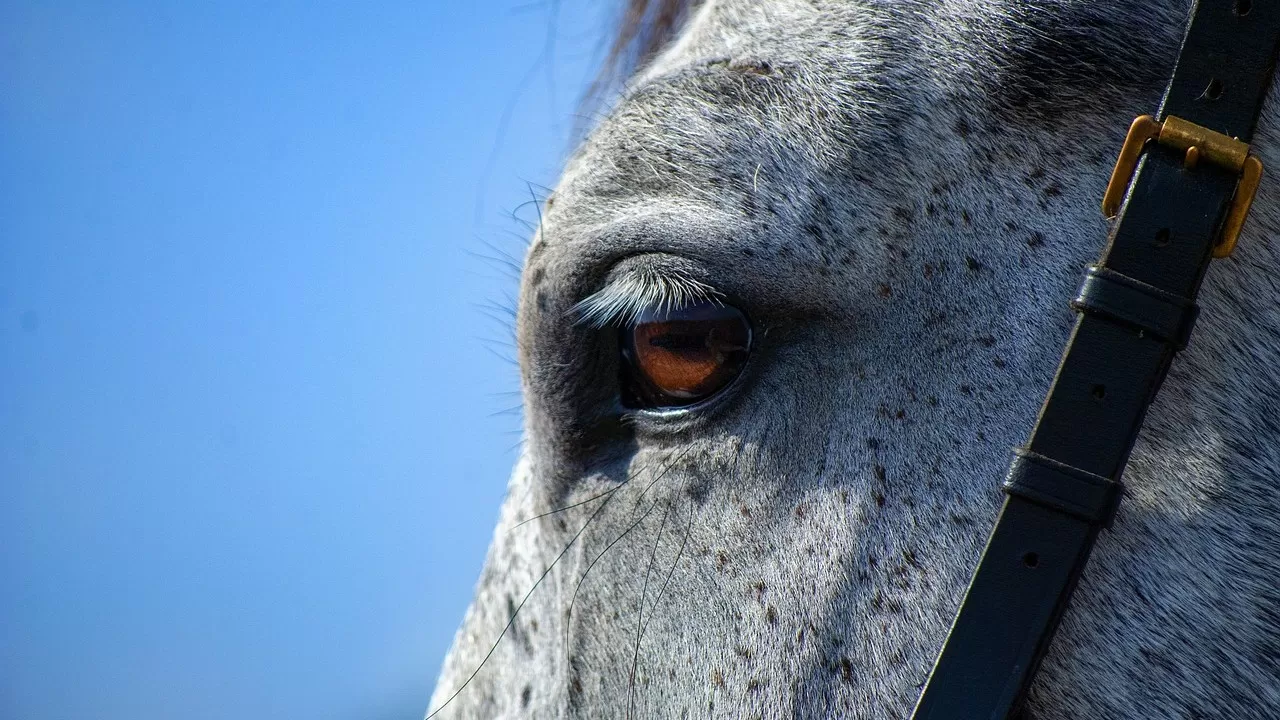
[900,196]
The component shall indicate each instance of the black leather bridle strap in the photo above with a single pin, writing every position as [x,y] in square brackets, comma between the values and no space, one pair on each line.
[1136,309]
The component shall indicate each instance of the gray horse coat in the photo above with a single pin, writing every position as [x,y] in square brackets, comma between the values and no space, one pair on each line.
[901,196]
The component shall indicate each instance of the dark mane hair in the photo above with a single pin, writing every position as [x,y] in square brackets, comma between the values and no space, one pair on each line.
[645,27]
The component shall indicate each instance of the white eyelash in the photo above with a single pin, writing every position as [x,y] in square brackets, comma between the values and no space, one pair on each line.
[625,298]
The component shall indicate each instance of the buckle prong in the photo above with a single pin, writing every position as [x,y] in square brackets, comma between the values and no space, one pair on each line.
[1197,143]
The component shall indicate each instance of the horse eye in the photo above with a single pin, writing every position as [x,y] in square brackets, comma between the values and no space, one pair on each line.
[678,357]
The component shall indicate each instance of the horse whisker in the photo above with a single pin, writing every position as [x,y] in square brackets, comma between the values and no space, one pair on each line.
[574,599]
[514,614]
[670,572]
[569,611]
[593,498]
[635,657]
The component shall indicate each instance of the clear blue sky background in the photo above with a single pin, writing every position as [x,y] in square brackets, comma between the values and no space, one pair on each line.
[252,439]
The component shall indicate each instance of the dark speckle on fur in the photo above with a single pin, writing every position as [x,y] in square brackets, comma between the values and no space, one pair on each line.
[845,668]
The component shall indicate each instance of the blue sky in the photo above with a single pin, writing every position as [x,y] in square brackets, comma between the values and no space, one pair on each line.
[255,415]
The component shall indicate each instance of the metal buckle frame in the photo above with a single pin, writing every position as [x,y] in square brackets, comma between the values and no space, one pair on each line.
[1198,143]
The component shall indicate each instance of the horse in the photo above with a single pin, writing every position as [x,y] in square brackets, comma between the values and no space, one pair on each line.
[869,216]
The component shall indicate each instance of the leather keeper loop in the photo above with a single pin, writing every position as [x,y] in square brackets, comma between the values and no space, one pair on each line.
[1064,488]
[1121,298]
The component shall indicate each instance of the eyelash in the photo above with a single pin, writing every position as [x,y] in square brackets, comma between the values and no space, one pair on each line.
[626,298]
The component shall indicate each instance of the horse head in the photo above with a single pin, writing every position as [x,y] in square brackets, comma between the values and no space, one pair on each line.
[788,310]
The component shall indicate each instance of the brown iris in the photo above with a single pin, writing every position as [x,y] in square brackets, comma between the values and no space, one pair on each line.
[679,357]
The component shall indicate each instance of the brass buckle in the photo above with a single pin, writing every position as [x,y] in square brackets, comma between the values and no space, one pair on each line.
[1198,143]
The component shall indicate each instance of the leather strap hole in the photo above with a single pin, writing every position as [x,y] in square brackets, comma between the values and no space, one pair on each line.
[1099,391]
[1031,559]
[1243,7]
[1162,237]
[1214,91]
